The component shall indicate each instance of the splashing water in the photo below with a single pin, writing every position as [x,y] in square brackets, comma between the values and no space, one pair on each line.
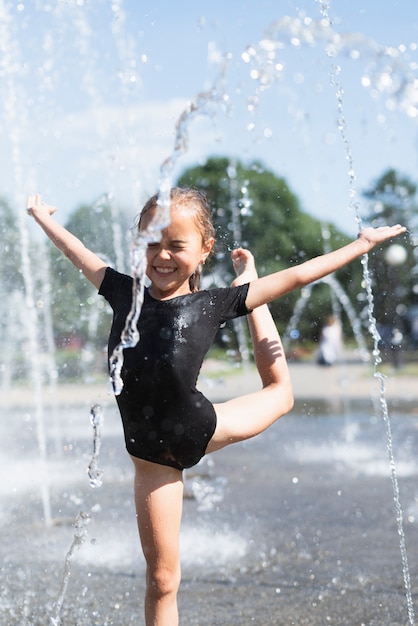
[93,470]
[204,104]
[14,98]
[292,32]
[393,81]
[208,493]
[80,533]
[351,314]
[336,289]
[386,71]
[389,441]
[266,69]
[342,126]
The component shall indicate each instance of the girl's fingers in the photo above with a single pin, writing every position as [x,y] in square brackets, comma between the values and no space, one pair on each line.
[30,202]
[33,201]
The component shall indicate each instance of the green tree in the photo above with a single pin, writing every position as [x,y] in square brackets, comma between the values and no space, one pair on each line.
[12,298]
[392,200]
[255,208]
[18,291]
[80,316]
[11,276]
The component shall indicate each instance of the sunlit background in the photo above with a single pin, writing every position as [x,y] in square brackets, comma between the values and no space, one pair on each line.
[91,92]
[301,108]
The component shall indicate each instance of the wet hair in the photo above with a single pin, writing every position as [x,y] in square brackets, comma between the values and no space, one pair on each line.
[196,203]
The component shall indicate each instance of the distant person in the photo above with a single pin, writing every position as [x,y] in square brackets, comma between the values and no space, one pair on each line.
[330,342]
[168,424]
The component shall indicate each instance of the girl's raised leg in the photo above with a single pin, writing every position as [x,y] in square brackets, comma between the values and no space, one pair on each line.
[159,502]
[248,415]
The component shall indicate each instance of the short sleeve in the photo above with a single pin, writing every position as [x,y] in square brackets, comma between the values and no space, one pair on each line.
[231,302]
[115,286]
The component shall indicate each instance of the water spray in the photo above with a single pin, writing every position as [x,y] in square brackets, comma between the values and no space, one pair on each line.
[204,104]
[353,205]
[94,471]
[80,534]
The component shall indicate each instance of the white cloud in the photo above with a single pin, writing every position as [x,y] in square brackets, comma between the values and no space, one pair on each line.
[112,149]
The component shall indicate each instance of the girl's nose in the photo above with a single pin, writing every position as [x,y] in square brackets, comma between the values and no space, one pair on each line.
[164,253]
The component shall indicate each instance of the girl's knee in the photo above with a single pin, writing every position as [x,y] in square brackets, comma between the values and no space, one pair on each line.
[163,582]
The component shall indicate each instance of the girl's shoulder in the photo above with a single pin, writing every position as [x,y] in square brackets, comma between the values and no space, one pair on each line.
[230,301]
[115,285]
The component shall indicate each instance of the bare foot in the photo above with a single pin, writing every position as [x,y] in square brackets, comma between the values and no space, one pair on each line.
[244,267]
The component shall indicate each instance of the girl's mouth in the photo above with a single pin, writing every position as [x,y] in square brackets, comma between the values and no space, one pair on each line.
[165,270]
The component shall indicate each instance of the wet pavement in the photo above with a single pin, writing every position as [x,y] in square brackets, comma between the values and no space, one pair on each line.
[297,526]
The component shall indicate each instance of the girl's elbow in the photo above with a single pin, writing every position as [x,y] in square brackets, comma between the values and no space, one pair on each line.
[290,400]
[287,398]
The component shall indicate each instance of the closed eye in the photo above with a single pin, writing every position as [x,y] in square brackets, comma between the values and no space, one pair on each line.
[175,246]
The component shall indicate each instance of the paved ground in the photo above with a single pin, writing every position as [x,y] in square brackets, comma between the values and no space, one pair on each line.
[310,381]
[349,379]
[294,527]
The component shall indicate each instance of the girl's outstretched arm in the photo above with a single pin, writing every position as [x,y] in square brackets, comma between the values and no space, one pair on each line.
[269,354]
[278,284]
[89,263]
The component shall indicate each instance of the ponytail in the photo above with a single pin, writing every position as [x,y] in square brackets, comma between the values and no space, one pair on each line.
[194,280]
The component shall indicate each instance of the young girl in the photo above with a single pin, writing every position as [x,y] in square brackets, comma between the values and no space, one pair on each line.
[168,424]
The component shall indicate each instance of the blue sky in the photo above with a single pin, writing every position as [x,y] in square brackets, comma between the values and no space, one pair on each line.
[92,90]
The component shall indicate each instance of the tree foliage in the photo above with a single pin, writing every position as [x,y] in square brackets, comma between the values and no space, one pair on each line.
[392,200]
[10,249]
[12,300]
[251,207]
[255,208]
[75,303]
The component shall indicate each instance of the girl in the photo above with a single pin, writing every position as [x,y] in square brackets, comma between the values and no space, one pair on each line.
[168,424]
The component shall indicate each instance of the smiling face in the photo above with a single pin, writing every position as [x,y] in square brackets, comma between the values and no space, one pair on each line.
[171,261]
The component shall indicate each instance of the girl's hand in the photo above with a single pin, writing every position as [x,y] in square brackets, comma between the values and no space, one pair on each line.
[244,266]
[35,207]
[373,236]
[92,266]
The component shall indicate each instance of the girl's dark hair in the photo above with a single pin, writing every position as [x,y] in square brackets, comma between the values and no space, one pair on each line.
[196,203]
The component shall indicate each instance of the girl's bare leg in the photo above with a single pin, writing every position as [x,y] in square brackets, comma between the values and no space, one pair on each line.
[248,415]
[159,502]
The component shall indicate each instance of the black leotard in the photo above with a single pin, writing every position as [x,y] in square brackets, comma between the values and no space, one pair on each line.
[166,420]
